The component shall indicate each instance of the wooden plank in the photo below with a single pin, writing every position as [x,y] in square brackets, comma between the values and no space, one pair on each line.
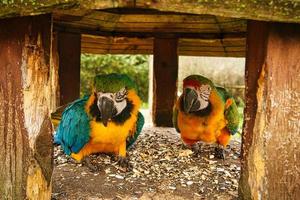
[116,46]
[136,27]
[116,51]
[25,100]
[115,40]
[196,47]
[165,72]
[212,53]
[241,41]
[150,51]
[69,49]
[270,154]
[284,10]
[200,42]
[166,18]
[97,31]
[235,48]
[201,48]
[113,22]
[232,26]
[54,62]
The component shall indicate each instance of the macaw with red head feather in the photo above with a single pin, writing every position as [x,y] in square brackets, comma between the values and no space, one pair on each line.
[205,113]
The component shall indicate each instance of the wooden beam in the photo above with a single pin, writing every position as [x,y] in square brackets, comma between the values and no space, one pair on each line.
[225,46]
[284,10]
[271,139]
[25,100]
[54,62]
[69,50]
[165,72]
[149,23]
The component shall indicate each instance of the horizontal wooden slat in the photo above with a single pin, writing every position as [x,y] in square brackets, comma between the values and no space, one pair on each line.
[212,54]
[150,23]
[150,51]
[200,42]
[115,51]
[190,47]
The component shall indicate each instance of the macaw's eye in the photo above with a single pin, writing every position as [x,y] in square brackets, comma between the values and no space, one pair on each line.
[121,95]
[205,88]
[98,94]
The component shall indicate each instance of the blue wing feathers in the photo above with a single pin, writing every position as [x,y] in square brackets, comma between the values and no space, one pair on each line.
[73,131]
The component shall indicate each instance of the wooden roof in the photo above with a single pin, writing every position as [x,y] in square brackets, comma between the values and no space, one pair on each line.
[132,33]
[228,47]
[203,27]
[266,10]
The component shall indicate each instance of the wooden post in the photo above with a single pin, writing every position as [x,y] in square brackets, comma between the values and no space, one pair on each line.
[165,72]
[25,98]
[271,139]
[69,66]
[54,62]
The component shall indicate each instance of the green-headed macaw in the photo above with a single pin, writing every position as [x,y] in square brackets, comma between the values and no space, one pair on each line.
[106,121]
[205,113]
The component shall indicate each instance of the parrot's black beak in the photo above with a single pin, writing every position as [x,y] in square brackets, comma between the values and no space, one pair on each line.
[107,109]
[190,100]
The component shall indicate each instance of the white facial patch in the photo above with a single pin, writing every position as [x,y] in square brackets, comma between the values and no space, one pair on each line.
[119,99]
[203,96]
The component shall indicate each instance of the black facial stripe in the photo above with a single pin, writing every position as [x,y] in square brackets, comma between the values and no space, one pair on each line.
[121,96]
[94,110]
[125,114]
[204,96]
[119,119]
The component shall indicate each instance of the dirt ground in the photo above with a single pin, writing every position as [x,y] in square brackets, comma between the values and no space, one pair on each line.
[162,169]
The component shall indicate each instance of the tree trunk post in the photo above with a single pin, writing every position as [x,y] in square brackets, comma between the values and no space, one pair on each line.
[165,72]
[25,99]
[271,139]
[69,50]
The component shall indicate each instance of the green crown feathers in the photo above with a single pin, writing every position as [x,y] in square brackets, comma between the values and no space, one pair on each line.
[113,82]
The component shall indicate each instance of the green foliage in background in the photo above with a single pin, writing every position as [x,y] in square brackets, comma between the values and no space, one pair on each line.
[136,66]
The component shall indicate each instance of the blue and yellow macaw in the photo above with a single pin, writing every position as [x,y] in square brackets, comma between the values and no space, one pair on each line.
[205,113]
[107,121]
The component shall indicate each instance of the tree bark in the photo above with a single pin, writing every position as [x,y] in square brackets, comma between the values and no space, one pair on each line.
[271,140]
[25,100]
[165,73]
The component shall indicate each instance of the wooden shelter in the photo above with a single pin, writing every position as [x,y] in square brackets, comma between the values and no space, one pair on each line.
[40,46]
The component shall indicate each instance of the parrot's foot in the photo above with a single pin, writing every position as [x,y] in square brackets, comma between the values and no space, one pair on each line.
[219,153]
[196,149]
[87,162]
[124,163]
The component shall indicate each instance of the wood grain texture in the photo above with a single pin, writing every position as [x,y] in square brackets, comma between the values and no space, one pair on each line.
[271,147]
[205,35]
[54,69]
[165,73]
[69,66]
[284,10]
[226,46]
[148,23]
[24,105]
